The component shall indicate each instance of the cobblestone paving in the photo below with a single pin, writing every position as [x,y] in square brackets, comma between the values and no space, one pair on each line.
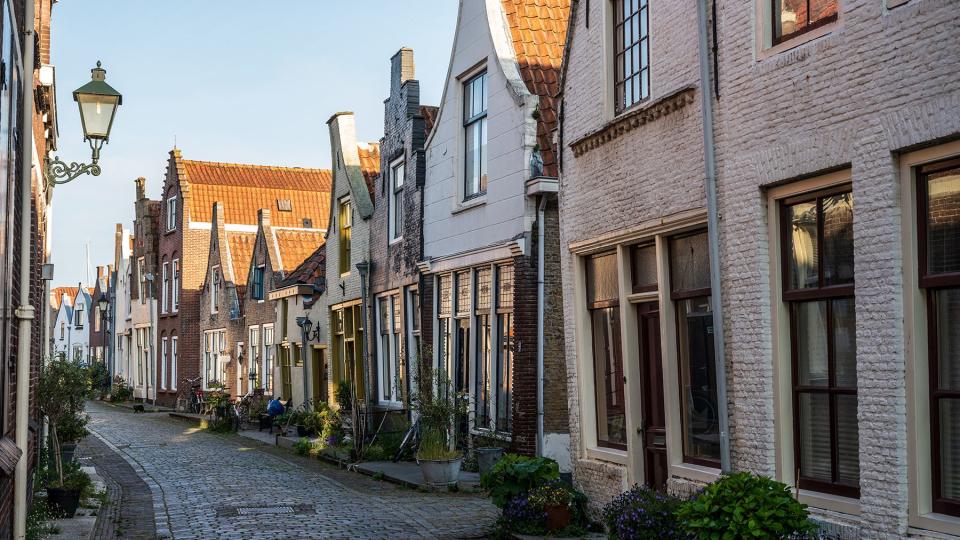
[206,485]
[128,512]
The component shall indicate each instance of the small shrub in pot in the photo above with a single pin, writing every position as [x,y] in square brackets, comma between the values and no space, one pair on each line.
[643,514]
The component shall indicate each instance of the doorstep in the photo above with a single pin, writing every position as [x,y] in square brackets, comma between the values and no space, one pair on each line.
[82,524]
[407,473]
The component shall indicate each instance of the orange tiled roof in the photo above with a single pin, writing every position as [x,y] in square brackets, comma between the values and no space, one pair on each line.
[56,294]
[369,154]
[310,271]
[296,245]
[429,114]
[241,252]
[539,32]
[244,189]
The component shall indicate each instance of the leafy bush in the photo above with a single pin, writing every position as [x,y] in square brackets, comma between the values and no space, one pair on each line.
[74,479]
[643,514]
[302,446]
[343,396]
[375,452]
[121,390]
[72,427]
[744,505]
[551,493]
[99,378]
[522,517]
[515,474]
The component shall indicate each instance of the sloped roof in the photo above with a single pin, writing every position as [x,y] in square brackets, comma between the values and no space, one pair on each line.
[296,245]
[311,271]
[244,189]
[369,154]
[56,294]
[539,32]
[241,253]
[429,114]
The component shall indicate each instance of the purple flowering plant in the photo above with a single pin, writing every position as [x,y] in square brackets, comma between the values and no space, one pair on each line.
[642,513]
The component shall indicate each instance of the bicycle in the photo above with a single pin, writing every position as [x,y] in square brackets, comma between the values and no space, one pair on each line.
[412,438]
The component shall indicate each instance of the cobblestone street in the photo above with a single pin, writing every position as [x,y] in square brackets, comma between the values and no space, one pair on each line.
[206,485]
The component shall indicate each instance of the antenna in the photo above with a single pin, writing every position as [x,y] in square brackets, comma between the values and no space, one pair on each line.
[88,262]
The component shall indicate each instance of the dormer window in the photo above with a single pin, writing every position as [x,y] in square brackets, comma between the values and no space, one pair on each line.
[284,205]
[257,285]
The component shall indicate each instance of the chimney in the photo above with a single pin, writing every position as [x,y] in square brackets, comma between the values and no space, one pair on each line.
[141,188]
[100,270]
[401,67]
[263,218]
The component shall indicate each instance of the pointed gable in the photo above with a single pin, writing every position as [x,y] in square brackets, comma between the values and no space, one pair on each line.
[359,163]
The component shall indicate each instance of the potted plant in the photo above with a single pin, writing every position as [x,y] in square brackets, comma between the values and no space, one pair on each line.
[70,429]
[64,494]
[488,452]
[554,499]
[438,411]
[60,391]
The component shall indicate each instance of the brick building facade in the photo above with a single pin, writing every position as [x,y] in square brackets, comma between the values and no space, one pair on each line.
[830,159]
[141,338]
[488,205]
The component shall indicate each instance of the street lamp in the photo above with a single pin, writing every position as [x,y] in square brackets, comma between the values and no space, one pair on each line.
[98,103]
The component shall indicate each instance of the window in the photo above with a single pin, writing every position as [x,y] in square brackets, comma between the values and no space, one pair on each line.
[794,17]
[255,356]
[483,364]
[389,366]
[347,347]
[163,364]
[257,285]
[63,328]
[214,357]
[475,136]
[214,288]
[97,314]
[604,308]
[690,293]
[171,213]
[503,370]
[78,315]
[413,329]
[444,311]
[173,363]
[142,281]
[165,274]
[268,352]
[176,285]
[345,224]
[818,287]
[396,200]
[631,45]
[938,234]
[284,205]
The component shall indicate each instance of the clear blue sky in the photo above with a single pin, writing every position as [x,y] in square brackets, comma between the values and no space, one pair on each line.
[234,80]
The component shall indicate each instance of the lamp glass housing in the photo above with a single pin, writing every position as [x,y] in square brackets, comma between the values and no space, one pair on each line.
[96,114]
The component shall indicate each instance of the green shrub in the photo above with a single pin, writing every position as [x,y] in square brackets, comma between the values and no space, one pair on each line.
[99,379]
[515,474]
[302,446]
[375,452]
[744,505]
[343,396]
[72,427]
[643,514]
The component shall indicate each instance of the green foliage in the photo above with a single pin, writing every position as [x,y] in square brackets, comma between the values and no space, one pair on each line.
[344,402]
[555,493]
[744,505]
[302,446]
[72,428]
[121,390]
[99,378]
[62,388]
[515,474]
[438,410]
[375,452]
[643,514]
[39,518]
[314,422]
[73,479]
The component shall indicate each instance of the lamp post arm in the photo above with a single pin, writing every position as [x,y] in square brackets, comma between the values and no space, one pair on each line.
[59,172]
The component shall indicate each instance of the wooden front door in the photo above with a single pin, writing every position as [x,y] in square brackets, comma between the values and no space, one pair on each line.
[318,370]
[653,430]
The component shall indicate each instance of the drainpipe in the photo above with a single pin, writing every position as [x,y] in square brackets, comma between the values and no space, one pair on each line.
[710,166]
[363,267]
[24,311]
[540,307]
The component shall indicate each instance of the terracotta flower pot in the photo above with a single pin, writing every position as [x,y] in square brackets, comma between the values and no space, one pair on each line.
[558,517]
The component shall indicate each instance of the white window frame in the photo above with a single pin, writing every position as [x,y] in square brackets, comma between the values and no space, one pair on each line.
[163,363]
[165,275]
[395,198]
[171,213]
[919,439]
[393,351]
[175,288]
[763,28]
[782,361]
[141,280]
[469,199]
[253,342]
[78,316]
[268,361]
[173,362]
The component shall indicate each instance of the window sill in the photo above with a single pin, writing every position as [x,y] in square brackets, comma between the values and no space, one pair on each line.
[938,523]
[395,241]
[490,434]
[826,501]
[608,454]
[697,473]
[797,41]
[470,203]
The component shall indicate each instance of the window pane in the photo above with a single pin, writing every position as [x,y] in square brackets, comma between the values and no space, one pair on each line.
[608,378]
[483,289]
[948,338]
[822,9]
[644,262]
[471,181]
[483,155]
[802,246]
[943,222]
[504,287]
[482,390]
[814,432]
[602,278]
[838,239]
[848,441]
[845,342]
[463,292]
[950,448]
[444,294]
[701,424]
[811,336]
[504,372]
[689,262]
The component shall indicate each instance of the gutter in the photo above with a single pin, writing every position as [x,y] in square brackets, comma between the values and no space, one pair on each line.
[710,187]
[24,311]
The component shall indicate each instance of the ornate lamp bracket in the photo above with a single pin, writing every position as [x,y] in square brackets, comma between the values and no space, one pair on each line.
[59,172]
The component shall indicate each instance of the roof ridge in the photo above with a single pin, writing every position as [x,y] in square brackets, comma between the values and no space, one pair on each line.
[256,166]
